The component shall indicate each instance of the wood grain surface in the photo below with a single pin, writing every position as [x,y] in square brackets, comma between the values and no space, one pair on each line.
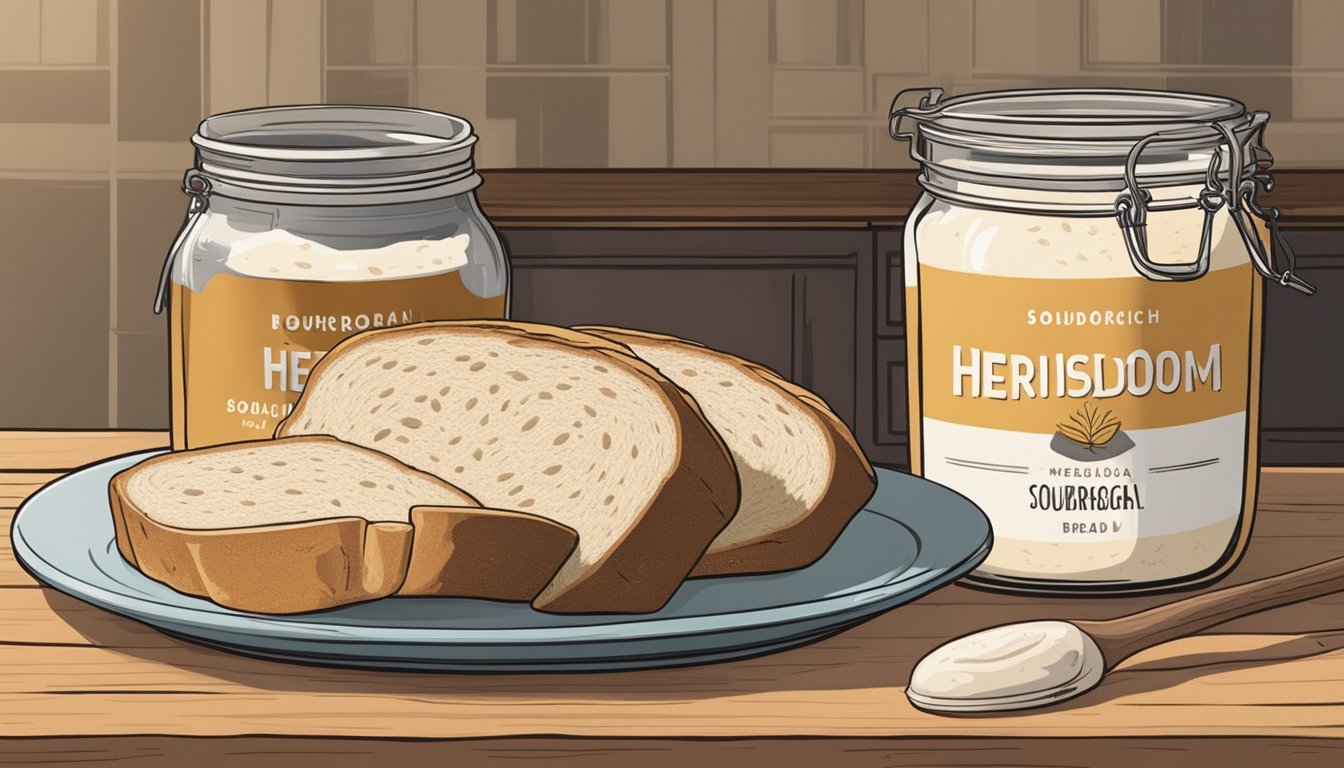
[1024,752]
[78,684]
[29,451]
[802,752]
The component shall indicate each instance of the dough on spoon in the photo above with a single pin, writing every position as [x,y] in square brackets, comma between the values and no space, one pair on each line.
[1016,666]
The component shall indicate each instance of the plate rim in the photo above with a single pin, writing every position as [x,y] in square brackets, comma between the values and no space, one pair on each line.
[210,616]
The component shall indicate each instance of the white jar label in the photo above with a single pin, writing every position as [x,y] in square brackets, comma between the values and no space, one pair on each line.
[1154,482]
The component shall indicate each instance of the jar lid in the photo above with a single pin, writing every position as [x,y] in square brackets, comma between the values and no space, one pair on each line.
[336,154]
[1078,140]
[1102,152]
[1079,116]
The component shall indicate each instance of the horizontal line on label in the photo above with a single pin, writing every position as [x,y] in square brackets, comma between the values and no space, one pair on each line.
[983,468]
[984,463]
[1190,465]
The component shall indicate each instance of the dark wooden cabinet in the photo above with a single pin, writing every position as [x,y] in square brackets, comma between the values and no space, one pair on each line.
[825,307]
[1302,401]
[796,301]
[890,283]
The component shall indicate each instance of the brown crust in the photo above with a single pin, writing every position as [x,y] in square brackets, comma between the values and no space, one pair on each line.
[805,541]
[281,568]
[495,554]
[647,565]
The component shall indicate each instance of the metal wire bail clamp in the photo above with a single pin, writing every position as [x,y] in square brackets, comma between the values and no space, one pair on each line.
[1247,202]
[928,105]
[1241,199]
[1133,204]
[195,184]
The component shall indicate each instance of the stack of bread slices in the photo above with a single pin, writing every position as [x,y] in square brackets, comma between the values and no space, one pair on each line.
[587,470]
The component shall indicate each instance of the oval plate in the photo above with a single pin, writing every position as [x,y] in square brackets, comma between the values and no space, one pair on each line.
[912,537]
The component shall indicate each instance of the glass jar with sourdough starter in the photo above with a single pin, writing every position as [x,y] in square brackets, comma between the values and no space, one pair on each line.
[1084,316]
[308,225]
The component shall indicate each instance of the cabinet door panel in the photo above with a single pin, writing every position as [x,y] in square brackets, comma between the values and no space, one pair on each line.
[787,300]
[890,285]
[748,312]
[1302,395]
[892,429]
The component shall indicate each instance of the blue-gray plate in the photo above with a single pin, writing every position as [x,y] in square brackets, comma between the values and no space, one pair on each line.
[912,537]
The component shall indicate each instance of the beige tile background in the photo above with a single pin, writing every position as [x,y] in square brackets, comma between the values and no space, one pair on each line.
[98,97]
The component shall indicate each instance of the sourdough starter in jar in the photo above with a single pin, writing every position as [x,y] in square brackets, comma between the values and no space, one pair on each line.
[312,224]
[1098,398]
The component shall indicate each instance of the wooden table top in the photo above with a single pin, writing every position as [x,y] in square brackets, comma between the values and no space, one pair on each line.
[79,685]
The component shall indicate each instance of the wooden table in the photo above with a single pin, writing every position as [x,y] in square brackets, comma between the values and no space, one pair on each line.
[81,686]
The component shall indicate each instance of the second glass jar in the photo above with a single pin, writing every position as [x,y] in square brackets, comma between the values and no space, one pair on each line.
[308,225]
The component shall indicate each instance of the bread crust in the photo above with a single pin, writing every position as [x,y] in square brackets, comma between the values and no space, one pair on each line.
[278,568]
[640,573]
[803,542]
[495,554]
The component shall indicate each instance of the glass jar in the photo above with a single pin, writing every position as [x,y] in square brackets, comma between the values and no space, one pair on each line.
[307,225]
[1084,328]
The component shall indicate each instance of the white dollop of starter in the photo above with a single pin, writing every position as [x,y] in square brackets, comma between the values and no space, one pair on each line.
[1010,667]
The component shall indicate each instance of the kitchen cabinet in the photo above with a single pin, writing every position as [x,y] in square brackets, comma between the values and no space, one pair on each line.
[792,300]
[803,272]
[1302,407]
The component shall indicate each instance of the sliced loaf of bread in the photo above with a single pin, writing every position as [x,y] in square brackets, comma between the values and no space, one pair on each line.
[547,421]
[302,524]
[803,475]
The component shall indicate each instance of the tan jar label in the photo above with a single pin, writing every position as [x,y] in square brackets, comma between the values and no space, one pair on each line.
[1101,424]
[243,347]
[1024,354]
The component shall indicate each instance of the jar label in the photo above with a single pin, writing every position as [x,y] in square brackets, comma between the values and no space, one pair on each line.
[243,347]
[1101,424]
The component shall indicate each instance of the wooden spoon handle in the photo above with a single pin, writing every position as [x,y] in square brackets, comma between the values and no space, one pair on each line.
[1121,638]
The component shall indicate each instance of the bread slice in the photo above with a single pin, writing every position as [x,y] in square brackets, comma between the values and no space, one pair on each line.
[803,474]
[547,421]
[303,524]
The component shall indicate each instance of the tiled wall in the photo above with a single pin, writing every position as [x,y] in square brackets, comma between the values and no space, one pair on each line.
[98,97]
